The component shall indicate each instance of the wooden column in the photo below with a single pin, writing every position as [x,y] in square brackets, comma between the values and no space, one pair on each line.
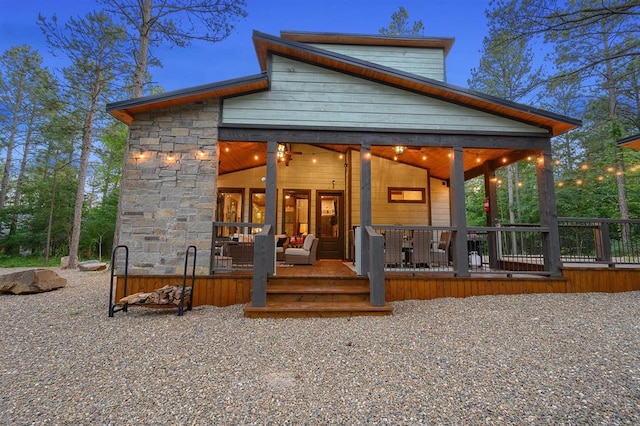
[458,216]
[548,213]
[365,203]
[491,193]
[271,198]
[264,262]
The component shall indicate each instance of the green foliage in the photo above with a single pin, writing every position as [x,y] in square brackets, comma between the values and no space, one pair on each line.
[98,228]
[149,24]
[400,25]
[27,261]
[595,49]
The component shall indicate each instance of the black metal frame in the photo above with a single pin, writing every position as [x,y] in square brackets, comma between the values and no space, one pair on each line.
[116,306]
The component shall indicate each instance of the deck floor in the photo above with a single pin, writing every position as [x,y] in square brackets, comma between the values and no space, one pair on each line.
[322,268]
[340,268]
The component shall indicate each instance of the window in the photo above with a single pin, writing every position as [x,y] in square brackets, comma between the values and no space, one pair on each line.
[229,209]
[407,195]
[296,215]
[256,214]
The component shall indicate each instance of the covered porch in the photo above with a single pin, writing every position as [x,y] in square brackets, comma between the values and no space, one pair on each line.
[338,139]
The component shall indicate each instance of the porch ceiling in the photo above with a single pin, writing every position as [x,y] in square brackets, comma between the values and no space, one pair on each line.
[237,156]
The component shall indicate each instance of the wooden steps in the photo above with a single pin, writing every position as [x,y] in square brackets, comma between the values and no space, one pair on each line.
[302,297]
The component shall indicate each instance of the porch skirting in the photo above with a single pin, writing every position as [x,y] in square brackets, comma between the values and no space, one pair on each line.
[229,289]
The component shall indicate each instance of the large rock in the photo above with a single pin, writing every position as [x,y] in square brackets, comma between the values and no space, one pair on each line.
[92,265]
[31,281]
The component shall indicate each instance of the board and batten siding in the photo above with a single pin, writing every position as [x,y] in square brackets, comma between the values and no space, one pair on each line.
[306,95]
[420,61]
[386,173]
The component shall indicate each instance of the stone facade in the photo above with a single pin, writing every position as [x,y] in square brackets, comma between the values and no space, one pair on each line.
[168,188]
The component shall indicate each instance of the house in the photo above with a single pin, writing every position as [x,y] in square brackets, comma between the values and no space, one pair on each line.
[632,142]
[337,132]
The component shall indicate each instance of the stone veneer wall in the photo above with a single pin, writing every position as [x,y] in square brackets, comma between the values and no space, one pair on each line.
[168,205]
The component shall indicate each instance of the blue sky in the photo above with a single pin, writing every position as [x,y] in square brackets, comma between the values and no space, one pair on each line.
[235,57]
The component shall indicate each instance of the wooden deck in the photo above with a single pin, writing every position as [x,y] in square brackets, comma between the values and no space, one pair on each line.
[322,289]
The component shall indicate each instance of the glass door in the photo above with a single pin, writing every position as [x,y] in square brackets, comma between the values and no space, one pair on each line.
[330,224]
[295,214]
[229,209]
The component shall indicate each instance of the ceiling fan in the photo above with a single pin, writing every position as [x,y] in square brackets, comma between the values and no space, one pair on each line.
[401,149]
[285,154]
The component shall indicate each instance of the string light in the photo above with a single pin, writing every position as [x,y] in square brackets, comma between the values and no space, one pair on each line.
[399,149]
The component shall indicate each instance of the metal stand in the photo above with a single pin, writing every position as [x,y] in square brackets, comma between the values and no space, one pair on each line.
[117,306]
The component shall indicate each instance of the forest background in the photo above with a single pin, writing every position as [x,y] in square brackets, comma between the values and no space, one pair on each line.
[62,155]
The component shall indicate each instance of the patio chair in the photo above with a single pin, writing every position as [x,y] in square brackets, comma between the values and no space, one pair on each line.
[393,255]
[305,255]
[281,245]
[440,255]
[421,249]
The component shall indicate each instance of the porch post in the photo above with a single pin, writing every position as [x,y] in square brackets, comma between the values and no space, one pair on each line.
[365,204]
[266,264]
[458,216]
[271,195]
[492,215]
[548,213]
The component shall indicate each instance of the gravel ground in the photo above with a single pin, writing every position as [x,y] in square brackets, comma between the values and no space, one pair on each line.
[530,359]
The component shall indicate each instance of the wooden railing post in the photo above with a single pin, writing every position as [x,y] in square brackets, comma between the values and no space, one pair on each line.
[261,260]
[376,266]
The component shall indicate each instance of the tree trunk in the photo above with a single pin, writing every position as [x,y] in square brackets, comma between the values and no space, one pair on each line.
[613,114]
[87,134]
[4,187]
[143,49]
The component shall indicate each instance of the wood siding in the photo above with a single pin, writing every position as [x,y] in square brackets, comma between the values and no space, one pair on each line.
[303,173]
[226,290]
[420,61]
[386,173]
[305,95]
[210,290]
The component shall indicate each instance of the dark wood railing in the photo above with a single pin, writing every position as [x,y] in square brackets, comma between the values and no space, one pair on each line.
[598,240]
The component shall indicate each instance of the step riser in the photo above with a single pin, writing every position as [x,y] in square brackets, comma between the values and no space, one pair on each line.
[307,314]
[297,297]
[312,297]
[314,281]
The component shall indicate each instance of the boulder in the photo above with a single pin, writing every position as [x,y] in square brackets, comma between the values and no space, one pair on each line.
[92,265]
[31,281]
[64,262]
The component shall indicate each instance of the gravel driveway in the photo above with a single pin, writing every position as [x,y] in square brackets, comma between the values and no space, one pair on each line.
[529,359]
